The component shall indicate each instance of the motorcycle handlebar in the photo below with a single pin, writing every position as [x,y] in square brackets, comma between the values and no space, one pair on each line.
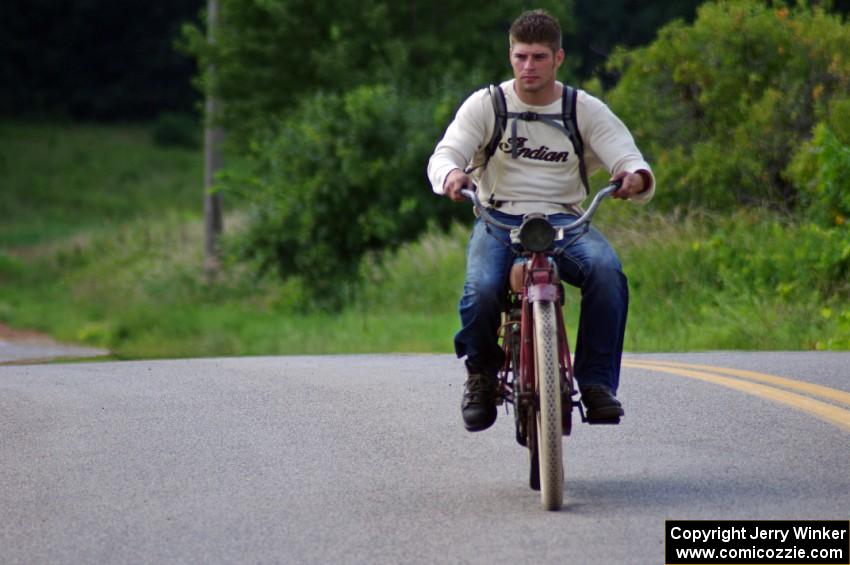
[578,222]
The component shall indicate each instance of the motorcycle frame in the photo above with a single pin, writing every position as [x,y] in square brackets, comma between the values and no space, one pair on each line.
[540,282]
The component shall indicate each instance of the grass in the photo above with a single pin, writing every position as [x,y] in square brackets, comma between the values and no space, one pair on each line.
[58,181]
[107,251]
[750,280]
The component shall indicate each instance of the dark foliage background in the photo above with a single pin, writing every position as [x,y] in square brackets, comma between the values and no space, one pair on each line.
[606,24]
[106,60]
[95,59]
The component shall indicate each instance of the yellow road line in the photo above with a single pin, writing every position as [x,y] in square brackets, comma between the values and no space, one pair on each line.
[827,412]
[812,389]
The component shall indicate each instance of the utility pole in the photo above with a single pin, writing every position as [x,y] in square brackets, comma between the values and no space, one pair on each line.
[213,137]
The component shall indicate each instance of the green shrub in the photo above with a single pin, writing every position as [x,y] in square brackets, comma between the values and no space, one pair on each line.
[425,275]
[822,168]
[721,106]
[344,175]
[751,280]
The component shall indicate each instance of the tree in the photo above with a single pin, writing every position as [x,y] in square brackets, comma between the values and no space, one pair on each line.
[213,138]
[272,53]
[722,106]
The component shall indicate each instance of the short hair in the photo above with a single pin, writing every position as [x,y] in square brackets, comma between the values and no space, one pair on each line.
[536,26]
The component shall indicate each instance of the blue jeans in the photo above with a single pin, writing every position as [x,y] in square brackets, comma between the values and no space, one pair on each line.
[590,264]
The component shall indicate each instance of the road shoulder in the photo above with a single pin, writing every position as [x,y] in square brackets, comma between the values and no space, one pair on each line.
[24,346]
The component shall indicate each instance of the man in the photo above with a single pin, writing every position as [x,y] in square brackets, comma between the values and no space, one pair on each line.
[535,170]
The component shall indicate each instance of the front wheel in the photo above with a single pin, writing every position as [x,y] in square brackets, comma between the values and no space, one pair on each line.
[548,373]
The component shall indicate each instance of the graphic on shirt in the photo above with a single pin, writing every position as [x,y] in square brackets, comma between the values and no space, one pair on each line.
[542,153]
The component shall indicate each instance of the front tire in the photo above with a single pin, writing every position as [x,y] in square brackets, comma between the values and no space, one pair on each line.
[549,429]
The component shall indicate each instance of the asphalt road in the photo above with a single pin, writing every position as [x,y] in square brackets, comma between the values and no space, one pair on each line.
[363,459]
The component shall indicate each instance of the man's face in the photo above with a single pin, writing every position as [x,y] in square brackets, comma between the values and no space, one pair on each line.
[535,65]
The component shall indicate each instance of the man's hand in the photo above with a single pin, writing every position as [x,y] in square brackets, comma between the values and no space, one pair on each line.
[455,181]
[633,183]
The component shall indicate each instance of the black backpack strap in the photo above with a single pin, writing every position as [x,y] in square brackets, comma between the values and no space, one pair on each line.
[500,110]
[568,109]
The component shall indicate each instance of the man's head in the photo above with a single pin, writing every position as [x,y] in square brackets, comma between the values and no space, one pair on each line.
[536,26]
[535,52]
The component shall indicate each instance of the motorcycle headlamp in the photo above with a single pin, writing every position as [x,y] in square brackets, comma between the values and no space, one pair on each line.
[536,233]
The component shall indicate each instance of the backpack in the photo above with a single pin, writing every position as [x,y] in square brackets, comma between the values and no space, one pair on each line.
[567,117]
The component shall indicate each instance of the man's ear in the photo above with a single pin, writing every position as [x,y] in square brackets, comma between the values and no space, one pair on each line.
[559,57]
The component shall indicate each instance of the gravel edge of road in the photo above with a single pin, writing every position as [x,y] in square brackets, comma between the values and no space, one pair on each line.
[19,347]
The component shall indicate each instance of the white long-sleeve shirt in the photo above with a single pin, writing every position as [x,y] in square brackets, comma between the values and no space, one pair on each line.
[545,175]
